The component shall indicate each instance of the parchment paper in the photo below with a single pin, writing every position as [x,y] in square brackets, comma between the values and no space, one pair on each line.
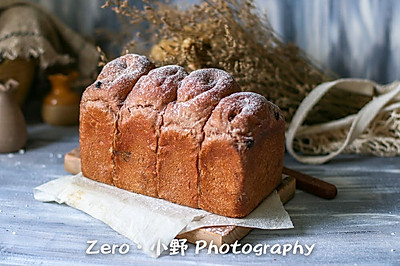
[146,220]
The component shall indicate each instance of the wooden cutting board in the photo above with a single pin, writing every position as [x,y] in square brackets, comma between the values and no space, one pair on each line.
[218,234]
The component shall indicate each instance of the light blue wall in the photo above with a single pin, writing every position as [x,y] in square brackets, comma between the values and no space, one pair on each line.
[355,38]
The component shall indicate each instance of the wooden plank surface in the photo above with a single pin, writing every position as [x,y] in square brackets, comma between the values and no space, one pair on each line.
[360,226]
[219,234]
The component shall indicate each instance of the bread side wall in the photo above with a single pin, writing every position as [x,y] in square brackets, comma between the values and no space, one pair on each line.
[135,152]
[139,123]
[96,130]
[182,133]
[243,149]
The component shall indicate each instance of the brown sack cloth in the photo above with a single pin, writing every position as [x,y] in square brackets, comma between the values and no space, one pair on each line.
[29,31]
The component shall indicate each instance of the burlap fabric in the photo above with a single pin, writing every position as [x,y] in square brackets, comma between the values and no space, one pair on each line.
[29,31]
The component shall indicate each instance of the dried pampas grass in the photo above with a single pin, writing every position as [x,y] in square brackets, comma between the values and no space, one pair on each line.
[233,36]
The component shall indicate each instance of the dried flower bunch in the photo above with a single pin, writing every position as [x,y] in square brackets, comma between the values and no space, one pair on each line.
[233,36]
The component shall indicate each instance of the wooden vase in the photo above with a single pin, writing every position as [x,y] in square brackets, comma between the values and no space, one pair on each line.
[13,133]
[61,105]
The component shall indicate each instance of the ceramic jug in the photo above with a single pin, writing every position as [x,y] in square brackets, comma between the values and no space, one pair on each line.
[61,105]
[13,133]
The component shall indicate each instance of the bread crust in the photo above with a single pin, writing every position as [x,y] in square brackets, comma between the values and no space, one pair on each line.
[195,140]
[141,116]
[241,157]
[99,109]
[182,133]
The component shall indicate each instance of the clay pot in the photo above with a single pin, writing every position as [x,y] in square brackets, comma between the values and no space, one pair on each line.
[61,105]
[22,71]
[13,133]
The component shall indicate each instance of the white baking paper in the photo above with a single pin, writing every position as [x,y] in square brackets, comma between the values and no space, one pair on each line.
[146,220]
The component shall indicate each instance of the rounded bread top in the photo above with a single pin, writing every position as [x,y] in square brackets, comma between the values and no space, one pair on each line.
[156,89]
[198,95]
[241,114]
[206,83]
[117,79]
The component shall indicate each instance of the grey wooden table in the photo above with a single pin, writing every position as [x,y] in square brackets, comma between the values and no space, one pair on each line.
[360,226]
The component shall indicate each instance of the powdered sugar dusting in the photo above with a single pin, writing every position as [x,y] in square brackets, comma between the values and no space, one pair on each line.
[197,96]
[202,81]
[129,64]
[248,102]
[157,88]
[220,230]
[117,79]
[239,115]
